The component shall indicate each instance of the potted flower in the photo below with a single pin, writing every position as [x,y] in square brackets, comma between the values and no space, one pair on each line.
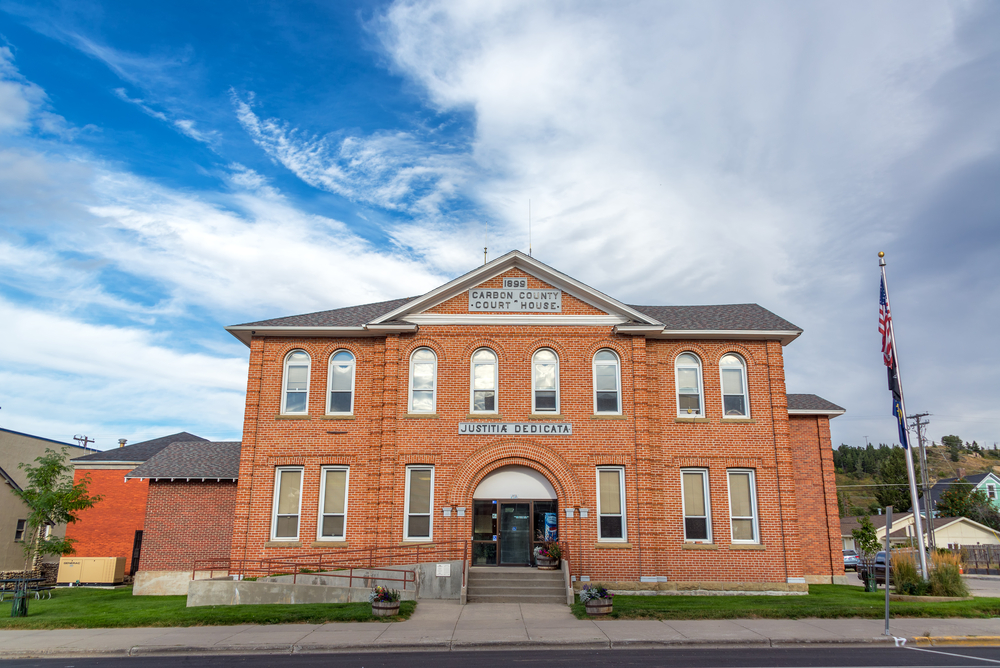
[548,556]
[597,599]
[385,601]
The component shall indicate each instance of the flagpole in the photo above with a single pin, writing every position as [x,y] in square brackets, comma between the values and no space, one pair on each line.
[910,473]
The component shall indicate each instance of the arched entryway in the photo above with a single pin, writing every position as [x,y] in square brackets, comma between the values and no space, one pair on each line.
[513,509]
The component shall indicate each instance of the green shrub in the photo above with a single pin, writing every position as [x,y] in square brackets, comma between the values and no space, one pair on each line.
[946,575]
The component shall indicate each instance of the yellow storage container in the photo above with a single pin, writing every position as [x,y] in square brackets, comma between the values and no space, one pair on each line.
[91,570]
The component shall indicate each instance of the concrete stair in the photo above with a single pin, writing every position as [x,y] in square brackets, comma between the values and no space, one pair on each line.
[515,585]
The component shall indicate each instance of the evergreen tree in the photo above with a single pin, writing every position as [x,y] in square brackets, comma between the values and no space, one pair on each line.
[894,488]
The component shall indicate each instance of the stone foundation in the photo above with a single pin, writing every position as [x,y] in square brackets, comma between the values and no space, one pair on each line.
[694,588]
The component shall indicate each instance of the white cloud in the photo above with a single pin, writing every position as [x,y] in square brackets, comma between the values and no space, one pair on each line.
[23,103]
[184,126]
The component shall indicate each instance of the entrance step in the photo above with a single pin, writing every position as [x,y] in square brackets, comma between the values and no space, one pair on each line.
[515,585]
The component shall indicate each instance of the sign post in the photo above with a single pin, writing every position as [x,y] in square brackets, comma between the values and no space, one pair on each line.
[888,555]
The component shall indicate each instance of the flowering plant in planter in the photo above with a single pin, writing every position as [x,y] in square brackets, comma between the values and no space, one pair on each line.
[383,595]
[548,550]
[594,593]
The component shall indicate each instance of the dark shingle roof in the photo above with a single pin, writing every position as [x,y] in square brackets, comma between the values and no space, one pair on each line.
[810,402]
[193,459]
[350,316]
[716,317]
[941,485]
[138,452]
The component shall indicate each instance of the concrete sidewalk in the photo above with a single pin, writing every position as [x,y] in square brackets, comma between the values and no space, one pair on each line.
[446,625]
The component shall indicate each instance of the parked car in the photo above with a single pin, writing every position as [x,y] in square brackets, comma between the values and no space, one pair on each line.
[850,560]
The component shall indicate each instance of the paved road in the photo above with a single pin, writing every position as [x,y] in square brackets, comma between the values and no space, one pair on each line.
[797,657]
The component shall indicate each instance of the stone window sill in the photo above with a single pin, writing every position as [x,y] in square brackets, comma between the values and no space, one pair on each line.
[336,417]
[613,546]
[484,416]
[598,416]
[546,416]
[283,543]
[747,546]
[415,543]
[287,416]
[699,546]
[421,416]
[339,544]
[692,420]
[726,420]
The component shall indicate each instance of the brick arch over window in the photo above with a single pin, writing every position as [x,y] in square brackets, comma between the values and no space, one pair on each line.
[521,453]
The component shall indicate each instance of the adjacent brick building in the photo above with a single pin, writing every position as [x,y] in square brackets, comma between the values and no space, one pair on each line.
[659,440]
[113,527]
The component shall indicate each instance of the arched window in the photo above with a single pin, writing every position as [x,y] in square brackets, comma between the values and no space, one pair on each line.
[423,381]
[734,386]
[607,383]
[484,381]
[545,381]
[295,398]
[341,384]
[689,402]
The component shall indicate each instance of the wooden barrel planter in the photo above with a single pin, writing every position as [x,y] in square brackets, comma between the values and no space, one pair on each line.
[547,564]
[385,608]
[599,606]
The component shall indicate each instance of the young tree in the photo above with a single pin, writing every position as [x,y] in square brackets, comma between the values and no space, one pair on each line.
[865,537]
[961,499]
[52,498]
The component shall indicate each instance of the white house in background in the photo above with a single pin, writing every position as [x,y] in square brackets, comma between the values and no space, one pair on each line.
[948,531]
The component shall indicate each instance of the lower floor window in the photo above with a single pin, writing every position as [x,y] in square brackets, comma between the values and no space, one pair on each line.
[697,524]
[333,512]
[287,504]
[419,501]
[611,503]
[743,506]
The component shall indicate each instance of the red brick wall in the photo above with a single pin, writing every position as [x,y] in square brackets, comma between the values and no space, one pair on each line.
[187,521]
[108,529]
[648,440]
[816,495]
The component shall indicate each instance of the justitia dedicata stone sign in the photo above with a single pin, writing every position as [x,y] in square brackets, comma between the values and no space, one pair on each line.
[516,297]
[521,428]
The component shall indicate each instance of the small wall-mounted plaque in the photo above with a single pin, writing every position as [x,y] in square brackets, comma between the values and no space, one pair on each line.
[584,578]
[443,570]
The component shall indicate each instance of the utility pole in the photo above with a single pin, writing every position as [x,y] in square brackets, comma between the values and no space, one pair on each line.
[84,440]
[924,477]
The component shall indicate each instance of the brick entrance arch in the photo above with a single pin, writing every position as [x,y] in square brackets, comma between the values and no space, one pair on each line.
[521,453]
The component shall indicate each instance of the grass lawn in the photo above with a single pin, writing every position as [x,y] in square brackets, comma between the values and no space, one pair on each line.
[108,608]
[823,601]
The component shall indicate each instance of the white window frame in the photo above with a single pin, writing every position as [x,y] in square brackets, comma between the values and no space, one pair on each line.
[746,388]
[701,386]
[322,500]
[274,502]
[406,506]
[991,492]
[618,381]
[284,382]
[496,382]
[753,505]
[434,393]
[706,491]
[329,380]
[533,389]
[621,492]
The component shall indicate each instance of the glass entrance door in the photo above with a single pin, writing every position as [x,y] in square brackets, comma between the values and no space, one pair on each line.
[515,534]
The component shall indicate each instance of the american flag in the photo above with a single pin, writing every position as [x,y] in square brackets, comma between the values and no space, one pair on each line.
[885,326]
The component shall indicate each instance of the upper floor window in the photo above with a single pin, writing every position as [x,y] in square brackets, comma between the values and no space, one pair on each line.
[341,383]
[607,383]
[734,386]
[545,381]
[423,381]
[484,381]
[689,386]
[296,394]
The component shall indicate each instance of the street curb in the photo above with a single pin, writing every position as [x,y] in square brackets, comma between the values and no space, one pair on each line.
[969,641]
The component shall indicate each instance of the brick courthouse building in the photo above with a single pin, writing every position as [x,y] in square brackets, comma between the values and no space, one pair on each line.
[659,439]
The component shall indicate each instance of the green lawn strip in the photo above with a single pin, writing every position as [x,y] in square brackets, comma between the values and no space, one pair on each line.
[105,608]
[825,601]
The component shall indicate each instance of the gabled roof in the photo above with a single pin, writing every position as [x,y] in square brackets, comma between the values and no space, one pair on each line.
[192,460]
[138,452]
[405,315]
[973,480]
[811,404]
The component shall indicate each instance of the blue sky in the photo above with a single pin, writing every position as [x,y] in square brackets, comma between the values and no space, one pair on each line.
[168,169]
